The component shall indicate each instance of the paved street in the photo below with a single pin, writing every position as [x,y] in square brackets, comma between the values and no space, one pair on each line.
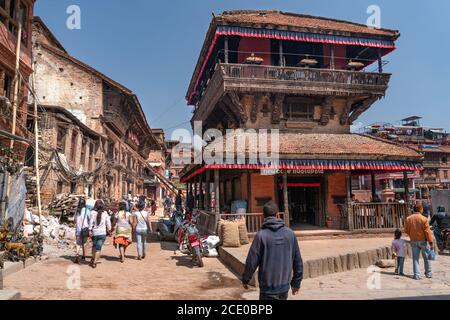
[165,275]
[162,275]
[353,285]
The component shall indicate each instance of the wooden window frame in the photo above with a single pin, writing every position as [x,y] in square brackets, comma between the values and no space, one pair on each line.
[61,139]
[12,23]
[304,116]
[73,145]
[83,152]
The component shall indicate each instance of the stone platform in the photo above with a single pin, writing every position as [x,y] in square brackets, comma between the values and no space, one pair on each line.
[323,256]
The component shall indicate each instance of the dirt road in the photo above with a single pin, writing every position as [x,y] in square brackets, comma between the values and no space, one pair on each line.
[162,275]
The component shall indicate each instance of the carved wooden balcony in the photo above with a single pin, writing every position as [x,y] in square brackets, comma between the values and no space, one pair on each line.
[290,80]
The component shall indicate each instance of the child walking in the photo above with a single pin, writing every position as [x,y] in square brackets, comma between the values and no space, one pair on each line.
[398,248]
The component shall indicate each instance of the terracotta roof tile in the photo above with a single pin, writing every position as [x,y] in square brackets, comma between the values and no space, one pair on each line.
[285,19]
[334,146]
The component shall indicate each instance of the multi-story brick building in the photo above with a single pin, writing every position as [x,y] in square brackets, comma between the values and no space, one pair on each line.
[432,142]
[307,77]
[12,14]
[95,136]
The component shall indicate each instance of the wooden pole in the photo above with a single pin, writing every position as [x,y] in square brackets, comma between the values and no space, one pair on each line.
[380,61]
[208,191]
[281,52]
[200,197]
[216,193]
[14,105]
[348,179]
[195,193]
[287,219]
[36,153]
[406,183]
[227,59]
[374,188]
[332,63]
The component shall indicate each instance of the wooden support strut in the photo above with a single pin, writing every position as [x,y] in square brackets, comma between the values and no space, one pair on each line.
[207,203]
[286,200]
[406,183]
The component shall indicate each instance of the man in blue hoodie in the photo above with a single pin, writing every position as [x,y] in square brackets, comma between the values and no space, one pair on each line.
[276,252]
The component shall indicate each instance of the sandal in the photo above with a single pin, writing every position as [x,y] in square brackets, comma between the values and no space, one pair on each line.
[77,260]
[94,265]
[139,258]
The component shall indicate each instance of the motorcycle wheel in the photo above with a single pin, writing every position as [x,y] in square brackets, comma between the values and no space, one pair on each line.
[159,236]
[198,256]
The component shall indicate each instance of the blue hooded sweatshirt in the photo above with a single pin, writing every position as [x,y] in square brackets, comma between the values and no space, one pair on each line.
[276,252]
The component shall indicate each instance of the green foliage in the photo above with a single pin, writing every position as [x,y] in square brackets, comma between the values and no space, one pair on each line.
[9,161]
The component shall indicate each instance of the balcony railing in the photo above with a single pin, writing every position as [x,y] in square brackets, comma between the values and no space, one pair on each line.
[288,80]
[305,74]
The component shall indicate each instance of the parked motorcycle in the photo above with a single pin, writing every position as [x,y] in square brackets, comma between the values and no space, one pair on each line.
[445,240]
[167,230]
[191,242]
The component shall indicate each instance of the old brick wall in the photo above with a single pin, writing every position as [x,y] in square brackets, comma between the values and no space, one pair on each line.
[336,187]
[261,187]
[60,82]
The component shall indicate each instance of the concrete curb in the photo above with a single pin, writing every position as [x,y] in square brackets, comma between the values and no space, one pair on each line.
[6,295]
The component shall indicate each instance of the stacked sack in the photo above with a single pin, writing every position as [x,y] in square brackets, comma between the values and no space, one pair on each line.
[233,233]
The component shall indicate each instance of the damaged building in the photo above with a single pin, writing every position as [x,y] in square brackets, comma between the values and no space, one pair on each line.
[95,137]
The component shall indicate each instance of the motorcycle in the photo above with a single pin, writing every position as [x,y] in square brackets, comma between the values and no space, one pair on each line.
[445,240]
[190,242]
[167,230]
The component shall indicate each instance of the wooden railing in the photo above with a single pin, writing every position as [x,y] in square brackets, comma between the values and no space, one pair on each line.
[254,221]
[370,216]
[305,74]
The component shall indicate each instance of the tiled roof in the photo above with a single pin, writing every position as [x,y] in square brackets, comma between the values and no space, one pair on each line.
[314,24]
[294,145]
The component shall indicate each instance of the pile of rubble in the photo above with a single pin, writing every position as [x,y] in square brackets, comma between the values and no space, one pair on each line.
[54,232]
[64,205]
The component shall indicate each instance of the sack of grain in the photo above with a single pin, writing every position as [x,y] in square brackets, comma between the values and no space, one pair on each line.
[243,233]
[230,234]
[219,231]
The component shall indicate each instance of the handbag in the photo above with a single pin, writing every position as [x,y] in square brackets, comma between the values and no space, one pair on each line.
[149,227]
[431,254]
[84,231]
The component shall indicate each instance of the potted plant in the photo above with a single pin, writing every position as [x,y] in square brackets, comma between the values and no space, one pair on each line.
[329,221]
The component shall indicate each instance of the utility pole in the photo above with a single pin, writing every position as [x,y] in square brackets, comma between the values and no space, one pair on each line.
[17,81]
[36,151]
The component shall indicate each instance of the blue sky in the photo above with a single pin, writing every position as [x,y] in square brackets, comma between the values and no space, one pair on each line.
[151,46]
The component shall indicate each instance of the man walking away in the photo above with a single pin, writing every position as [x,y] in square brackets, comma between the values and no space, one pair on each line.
[440,222]
[419,231]
[179,202]
[190,202]
[276,252]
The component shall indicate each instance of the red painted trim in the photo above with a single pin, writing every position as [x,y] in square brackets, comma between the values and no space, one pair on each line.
[304,185]
[384,169]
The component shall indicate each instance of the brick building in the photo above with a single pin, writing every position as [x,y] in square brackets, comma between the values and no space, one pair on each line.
[432,142]
[306,77]
[95,136]
[13,13]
